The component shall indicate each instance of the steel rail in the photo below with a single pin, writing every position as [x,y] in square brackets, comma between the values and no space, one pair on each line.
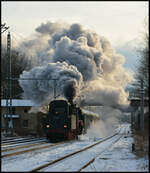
[71,154]
[30,150]
[9,138]
[92,160]
[19,141]
[22,146]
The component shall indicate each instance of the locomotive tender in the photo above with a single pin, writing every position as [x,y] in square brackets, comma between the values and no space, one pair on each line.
[66,121]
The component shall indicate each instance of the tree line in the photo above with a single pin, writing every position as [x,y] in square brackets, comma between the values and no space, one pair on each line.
[142,68]
[19,63]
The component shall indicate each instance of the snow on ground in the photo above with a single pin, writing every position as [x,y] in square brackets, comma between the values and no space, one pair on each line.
[119,157]
[28,161]
[75,162]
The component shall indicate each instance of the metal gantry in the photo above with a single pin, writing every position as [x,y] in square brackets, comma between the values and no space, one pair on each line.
[55,83]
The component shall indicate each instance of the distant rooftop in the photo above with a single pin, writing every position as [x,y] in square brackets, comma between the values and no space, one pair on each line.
[19,102]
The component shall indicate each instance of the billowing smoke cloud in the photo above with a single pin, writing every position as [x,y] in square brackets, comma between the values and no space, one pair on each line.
[67,77]
[109,121]
[84,63]
[78,53]
[50,28]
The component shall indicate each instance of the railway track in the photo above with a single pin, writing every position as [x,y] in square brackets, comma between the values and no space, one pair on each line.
[28,150]
[22,146]
[42,167]
[73,157]
[93,159]
[10,146]
[9,138]
[12,139]
[19,140]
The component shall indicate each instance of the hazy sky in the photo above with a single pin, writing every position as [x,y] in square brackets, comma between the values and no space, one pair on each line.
[118,21]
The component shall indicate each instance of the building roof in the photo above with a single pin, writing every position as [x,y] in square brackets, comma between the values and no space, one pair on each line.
[19,102]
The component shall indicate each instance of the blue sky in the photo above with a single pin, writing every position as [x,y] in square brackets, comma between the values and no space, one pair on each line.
[121,22]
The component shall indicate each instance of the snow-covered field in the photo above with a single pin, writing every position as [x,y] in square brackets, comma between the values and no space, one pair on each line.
[112,155]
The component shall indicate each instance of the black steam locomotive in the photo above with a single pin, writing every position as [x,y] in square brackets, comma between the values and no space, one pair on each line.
[66,121]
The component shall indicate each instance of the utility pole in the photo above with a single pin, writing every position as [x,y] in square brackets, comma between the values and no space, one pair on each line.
[9,125]
[3,29]
[132,122]
[142,107]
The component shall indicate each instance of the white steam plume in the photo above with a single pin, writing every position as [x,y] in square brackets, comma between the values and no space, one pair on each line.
[109,121]
[95,70]
[41,90]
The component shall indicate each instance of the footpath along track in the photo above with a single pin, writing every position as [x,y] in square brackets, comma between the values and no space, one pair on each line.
[14,153]
[42,167]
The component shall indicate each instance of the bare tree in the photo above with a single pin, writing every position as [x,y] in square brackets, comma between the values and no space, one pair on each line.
[142,69]
[19,64]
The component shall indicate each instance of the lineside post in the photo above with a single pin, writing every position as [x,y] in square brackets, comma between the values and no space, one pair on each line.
[142,108]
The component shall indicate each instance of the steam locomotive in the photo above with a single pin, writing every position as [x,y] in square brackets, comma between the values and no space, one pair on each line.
[66,121]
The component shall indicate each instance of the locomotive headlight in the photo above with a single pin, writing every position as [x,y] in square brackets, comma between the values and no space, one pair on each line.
[47,125]
[65,126]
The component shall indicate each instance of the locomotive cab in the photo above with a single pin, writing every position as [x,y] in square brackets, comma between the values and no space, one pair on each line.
[66,121]
[57,120]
